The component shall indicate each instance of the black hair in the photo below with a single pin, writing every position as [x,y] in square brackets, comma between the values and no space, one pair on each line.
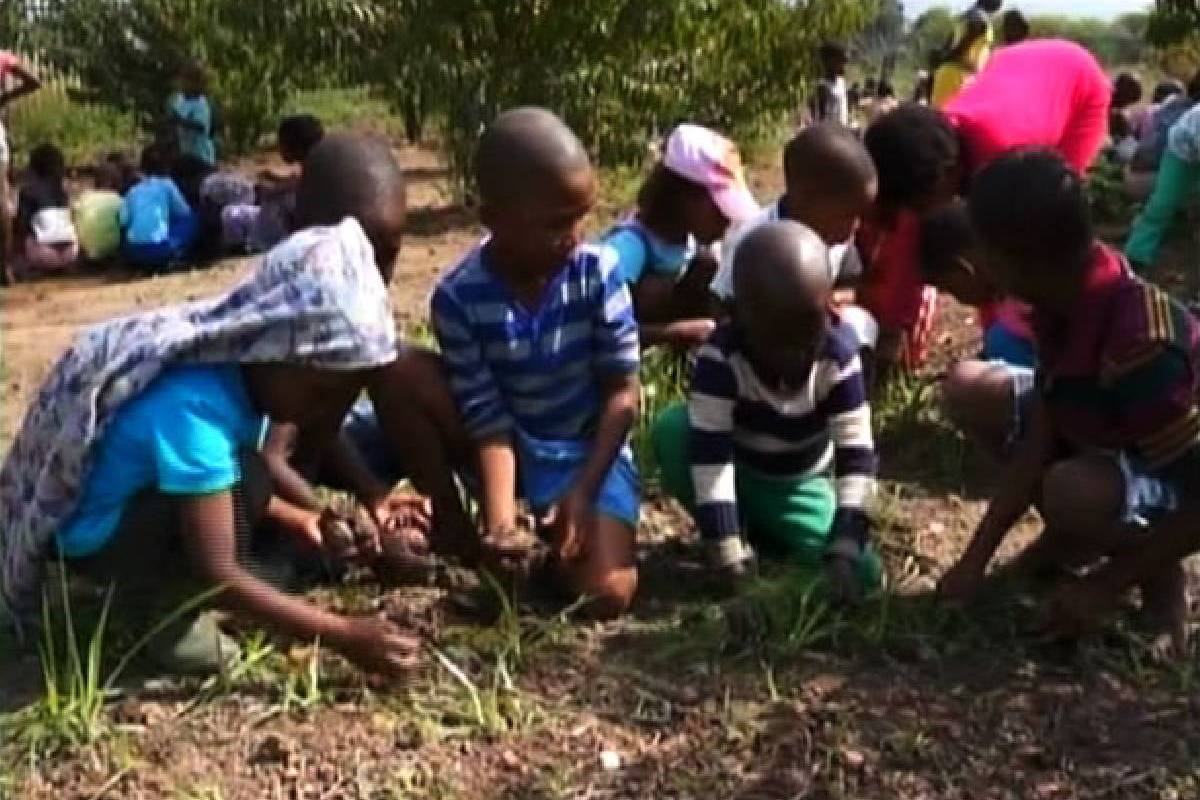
[990,6]
[107,175]
[946,236]
[1165,90]
[828,160]
[523,150]
[1127,90]
[347,175]
[125,167]
[1014,26]
[299,134]
[662,198]
[156,160]
[832,50]
[47,161]
[914,148]
[1031,206]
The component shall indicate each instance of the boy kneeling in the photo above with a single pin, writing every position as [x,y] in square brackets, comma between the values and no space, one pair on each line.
[777,398]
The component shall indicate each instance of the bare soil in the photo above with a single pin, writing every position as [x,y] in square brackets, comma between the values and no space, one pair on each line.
[675,701]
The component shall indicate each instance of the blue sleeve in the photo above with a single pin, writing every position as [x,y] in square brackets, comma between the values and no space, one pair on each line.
[194,453]
[618,351]
[179,203]
[475,390]
[631,254]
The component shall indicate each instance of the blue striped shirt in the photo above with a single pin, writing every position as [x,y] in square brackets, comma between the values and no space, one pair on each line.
[539,370]
[739,422]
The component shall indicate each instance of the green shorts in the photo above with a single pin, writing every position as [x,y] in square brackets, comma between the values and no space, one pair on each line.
[786,519]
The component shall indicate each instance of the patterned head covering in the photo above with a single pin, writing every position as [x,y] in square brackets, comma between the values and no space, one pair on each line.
[317,300]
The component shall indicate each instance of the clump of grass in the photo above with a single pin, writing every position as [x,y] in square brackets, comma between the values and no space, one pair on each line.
[664,379]
[83,131]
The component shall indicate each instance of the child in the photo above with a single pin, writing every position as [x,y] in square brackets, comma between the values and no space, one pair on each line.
[1178,176]
[1112,450]
[97,215]
[688,202]
[138,462]
[831,101]
[967,53]
[11,67]
[1014,28]
[158,226]
[538,334]
[830,184]
[44,216]
[777,398]
[191,116]
[298,135]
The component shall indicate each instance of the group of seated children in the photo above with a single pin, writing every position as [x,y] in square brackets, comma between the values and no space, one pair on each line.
[162,483]
[147,218]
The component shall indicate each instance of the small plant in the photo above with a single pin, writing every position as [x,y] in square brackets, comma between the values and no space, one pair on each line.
[664,378]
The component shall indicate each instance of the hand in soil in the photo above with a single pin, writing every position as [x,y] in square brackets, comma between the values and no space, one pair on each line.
[379,646]
[337,536]
[569,521]
[398,513]
[844,586]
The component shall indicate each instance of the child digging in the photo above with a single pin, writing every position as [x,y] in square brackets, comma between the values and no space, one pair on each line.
[777,401]
[686,205]
[1111,454]
[138,463]
[831,184]
[541,344]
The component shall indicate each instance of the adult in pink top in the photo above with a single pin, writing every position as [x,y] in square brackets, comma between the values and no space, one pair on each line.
[1043,93]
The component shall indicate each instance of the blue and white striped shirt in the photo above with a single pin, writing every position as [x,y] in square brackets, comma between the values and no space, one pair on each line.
[539,370]
[736,419]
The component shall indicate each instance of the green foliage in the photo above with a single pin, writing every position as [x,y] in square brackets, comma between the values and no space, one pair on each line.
[1174,21]
[1116,43]
[1106,193]
[664,379]
[619,71]
[126,52]
[930,35]
[83,131]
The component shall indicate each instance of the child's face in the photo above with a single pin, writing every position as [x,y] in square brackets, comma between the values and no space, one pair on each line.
[834,219]
[835,65]
[783,346]
[537,234]
[705,220]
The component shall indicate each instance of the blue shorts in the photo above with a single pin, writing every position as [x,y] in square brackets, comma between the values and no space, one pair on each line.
[546,469]
[1147,497]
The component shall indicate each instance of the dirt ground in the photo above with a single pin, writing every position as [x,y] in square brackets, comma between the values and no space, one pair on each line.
[685,698]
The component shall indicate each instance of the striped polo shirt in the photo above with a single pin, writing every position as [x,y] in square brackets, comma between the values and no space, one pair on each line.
[538,370]
[739,422]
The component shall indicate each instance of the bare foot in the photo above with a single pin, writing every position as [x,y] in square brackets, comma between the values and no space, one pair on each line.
[1164,612]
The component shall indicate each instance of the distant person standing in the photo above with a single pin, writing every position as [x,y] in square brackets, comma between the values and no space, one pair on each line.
[190,114]
[12,69]
[967,52]
[831,101]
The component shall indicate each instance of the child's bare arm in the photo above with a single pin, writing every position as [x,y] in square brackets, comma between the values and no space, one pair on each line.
[498,478]
[1016,494]
[617,417]
[278,449]
[208,532]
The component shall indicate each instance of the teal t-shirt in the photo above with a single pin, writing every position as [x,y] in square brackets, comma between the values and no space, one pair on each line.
[192,142]
[639,251]
[182,435]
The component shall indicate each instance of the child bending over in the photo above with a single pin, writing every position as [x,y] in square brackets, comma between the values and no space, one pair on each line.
[539,337]
[138,465]
[777,403]
[1111,453]
[158,226]
[831,184]
[686,204]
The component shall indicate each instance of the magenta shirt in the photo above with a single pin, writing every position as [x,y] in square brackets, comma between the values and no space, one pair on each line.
[1042,93]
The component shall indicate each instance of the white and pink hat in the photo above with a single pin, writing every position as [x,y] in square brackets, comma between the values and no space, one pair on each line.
[709,159]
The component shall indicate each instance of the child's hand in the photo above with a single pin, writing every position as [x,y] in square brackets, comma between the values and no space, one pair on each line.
[396,513]
[378,646]
[962,581]
[689,333]
[844,586]
[570,521]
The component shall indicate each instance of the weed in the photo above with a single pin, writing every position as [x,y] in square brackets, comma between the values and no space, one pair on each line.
[663,384]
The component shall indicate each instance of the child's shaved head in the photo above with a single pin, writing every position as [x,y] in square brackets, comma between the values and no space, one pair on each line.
[348,175]
[781,288]
[782,269]
[524,150]
[831,180]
